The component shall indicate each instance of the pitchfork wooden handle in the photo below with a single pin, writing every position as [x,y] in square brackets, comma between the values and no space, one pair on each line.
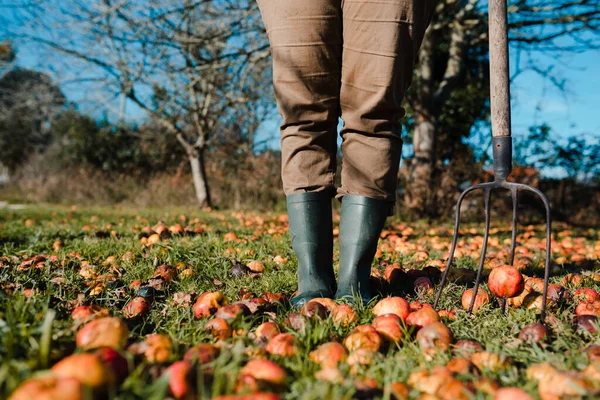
[499,68]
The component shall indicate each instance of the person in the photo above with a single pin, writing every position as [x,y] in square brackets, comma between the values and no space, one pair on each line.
[354,60]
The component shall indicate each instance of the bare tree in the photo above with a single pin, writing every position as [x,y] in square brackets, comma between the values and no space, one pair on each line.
[194,66]
[456,40]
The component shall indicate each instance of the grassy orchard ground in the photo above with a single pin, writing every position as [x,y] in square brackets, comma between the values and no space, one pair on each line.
[82,250]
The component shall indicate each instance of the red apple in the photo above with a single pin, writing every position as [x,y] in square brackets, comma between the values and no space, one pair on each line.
[344,315]
[510,393]
[103,332]
[267,374]
[219,328]
[230,312]
[208,303]
[87,313]
[505,281]
[534,332]
[114,361]
[367,340]
[392,305]
[50,388]
[481,299]
[86,368]
[422,317]
[158,348]
[434,337]
[588,308]
[137,307]
[181,378]
[329,355]
[202,353]
[587,295]
[389,327]
[283,345]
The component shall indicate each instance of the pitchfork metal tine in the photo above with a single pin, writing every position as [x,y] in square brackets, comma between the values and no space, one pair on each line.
[488,194]
[513,241]
[454,242]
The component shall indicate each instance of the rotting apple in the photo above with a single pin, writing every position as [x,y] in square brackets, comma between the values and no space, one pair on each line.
[208,303]
[181,378]
[88,369]
[464,366]
[329,354]
[50,388]
[389,326]
[367,340]
[534,333]
[588,308]
[202,353]
[284,345]
[422,317]
[486,360]
[505,281]
[103,332]
[114,361]
[219,328]
[511,393]
[137,307]
[481,298]
[331,375]
[87,313]
[230,312]
[314,310]
[343,315]
[586,295]
[434,337]
[392,305]
[158,348]
[268,374]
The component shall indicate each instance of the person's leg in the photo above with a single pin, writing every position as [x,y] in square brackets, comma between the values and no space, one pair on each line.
[306,43]
[381,39]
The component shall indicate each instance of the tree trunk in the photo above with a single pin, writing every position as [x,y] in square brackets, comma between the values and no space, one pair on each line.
[197,162]
[420,193]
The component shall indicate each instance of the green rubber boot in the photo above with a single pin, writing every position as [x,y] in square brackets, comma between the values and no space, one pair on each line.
[362,220]
[311,230]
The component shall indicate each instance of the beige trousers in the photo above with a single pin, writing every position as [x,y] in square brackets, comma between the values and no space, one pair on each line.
[352,59]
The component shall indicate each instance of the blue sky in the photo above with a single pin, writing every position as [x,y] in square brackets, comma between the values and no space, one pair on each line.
[536,100]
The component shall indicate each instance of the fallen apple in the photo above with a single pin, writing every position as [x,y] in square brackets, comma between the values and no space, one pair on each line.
[360,340]
[284,345]
[534,333]
[268,375]
[219,328]
[485,360]
[467,346]
[462,366]
[434,337]
[137,307]
[344,315]
[422,317]
[103,332]
[86,368]
[181,378]
[208,303]
[87,313]
[481,298]
[389,326]
[510,393]
[50,388]
[158,348]
[314,310]
[392,305]
[114,361]
[505,281]
[588,308]
[230,312]
[202,353]
[329,355]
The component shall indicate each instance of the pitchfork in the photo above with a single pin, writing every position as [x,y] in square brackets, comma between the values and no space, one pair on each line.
[502,150]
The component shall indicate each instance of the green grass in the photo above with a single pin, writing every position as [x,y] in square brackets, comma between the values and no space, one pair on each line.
[37,331]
